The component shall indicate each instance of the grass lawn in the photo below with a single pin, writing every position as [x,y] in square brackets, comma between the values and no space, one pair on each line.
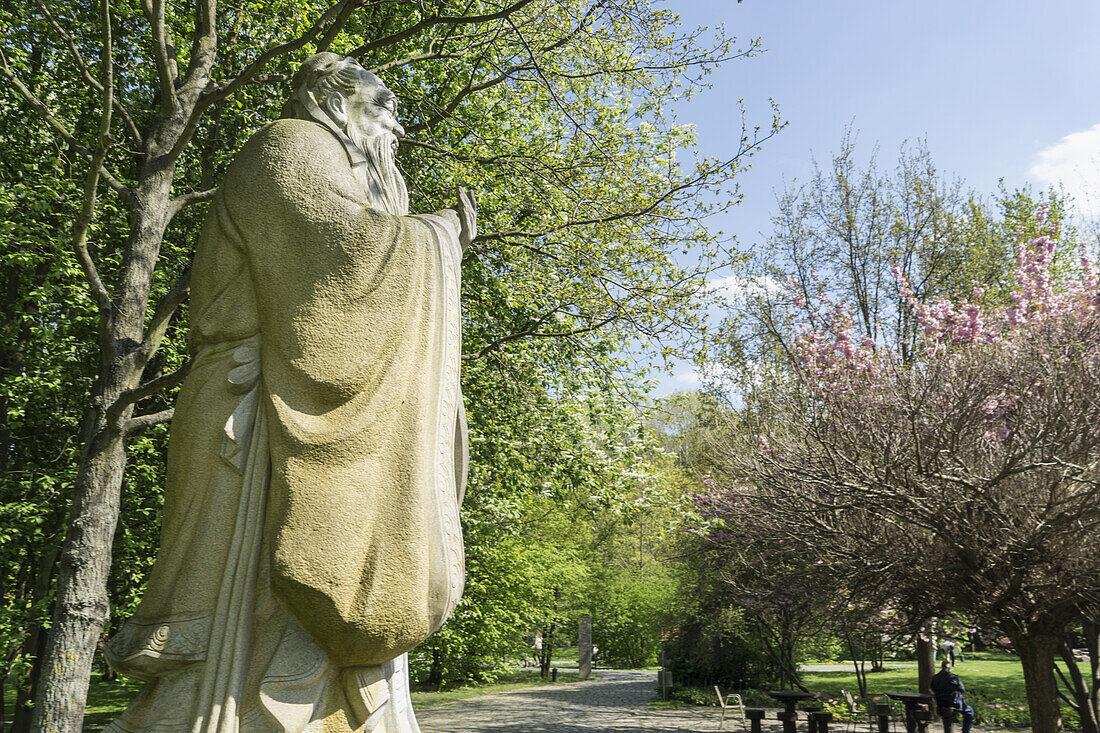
[994,682]
[105,700]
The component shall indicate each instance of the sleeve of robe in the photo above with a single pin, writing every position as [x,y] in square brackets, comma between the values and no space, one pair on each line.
[360,351]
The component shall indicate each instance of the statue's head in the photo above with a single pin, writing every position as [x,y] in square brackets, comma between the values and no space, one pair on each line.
[339,93]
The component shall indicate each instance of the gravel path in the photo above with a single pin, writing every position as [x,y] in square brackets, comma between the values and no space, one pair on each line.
[615,703]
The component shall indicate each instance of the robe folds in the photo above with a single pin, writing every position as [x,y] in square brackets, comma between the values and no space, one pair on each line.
[310,531]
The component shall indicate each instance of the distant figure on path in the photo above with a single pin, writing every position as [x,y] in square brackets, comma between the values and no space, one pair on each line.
[949,693]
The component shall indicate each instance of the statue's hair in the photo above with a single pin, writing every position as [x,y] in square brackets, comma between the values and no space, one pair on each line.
[343,79]
[323,76]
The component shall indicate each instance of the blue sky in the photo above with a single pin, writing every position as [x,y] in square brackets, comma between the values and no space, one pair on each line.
[1005,89]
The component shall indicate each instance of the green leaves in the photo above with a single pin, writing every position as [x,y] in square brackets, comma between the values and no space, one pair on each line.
[556,113]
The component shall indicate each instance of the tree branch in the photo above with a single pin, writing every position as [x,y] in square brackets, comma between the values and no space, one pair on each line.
[337,25]
[181,202]
[216,92]
[91,184]
[205,42]
[434,20]
[141,422]
[533,332]
[152,387]
[455,155]
[59,128]
[162,315]
[503,76]
[428,55]
[163,53]
[85,72]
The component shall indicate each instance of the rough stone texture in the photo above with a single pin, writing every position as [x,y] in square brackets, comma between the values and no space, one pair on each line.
[310,534]
[584,646]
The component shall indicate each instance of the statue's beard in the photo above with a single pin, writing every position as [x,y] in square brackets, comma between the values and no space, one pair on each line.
[379,175]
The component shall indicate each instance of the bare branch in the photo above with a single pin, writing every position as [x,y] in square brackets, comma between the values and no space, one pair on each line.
[533,332]
[466,91]
[434,20]
[337,26]
[162,315]
[163,53]
[85,72]
[153,386]
[628,214]
[91,184]
[142,422]
[481,160]
[428,55]
[216,92]
[549,86]
[504,75]
[181,202]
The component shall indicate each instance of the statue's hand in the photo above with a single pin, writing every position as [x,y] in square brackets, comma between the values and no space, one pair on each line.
[467,217]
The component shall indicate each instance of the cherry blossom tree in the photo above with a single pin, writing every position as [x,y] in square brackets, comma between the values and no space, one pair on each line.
[964,479]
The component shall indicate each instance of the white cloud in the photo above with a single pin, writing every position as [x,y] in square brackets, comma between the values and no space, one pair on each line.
[1074,163]
[688,378]
[739,287]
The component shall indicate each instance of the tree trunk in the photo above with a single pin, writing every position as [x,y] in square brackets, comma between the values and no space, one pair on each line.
[860,665]
[1036,652]
[1092,640]
[1084,691]
[81,608]
[435,672]
[926,665]
[35,648]
[547,655]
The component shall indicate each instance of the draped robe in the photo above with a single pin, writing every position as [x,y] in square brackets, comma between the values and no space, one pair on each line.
[310,534]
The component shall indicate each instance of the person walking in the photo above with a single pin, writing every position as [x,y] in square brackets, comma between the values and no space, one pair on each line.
[949,692]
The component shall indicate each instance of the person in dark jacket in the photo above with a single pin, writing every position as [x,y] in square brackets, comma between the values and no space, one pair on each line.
[948,690]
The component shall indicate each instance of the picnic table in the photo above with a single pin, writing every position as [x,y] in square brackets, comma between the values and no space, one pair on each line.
[790,698]
[918,710]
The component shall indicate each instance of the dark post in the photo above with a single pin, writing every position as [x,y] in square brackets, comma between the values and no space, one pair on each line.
[819,721]
[554,675]
[923,717]
[811,721]
[755,715]
[882,713]
[664,681]
[947,715]
[790,720]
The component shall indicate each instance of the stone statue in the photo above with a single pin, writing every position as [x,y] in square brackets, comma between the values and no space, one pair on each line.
[317,458]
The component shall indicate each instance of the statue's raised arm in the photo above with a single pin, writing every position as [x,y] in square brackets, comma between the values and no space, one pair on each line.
[310,534]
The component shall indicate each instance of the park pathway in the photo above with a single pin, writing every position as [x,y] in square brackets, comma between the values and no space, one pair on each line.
[615,703]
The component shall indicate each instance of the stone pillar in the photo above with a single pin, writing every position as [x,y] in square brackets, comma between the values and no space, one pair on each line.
[882,715]
[755,716]
[819,721]
[584,646]
[789,719]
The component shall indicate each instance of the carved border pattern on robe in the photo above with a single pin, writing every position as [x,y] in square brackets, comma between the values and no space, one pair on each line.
[181,638]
